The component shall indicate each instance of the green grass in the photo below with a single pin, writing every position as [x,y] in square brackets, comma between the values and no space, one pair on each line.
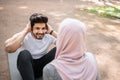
[107,11]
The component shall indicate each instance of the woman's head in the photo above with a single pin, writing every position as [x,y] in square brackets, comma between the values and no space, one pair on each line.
[71,38]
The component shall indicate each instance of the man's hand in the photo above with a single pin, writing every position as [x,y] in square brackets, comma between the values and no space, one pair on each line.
[49,29]
[28,27]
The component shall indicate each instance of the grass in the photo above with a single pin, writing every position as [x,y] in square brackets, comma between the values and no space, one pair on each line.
[107,11]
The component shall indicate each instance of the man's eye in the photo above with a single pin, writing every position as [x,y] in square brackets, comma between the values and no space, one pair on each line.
[37,28]
[43,28]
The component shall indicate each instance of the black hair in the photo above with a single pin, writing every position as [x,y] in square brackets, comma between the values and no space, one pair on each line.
[38,18]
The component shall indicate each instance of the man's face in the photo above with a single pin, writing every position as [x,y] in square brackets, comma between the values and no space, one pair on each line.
[39,30]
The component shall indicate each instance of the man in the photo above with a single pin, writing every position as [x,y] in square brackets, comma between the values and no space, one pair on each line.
[33,42]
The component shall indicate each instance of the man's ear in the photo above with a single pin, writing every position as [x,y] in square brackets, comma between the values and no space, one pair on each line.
[31,28]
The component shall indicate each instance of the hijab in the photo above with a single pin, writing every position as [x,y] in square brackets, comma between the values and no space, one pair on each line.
[71,60]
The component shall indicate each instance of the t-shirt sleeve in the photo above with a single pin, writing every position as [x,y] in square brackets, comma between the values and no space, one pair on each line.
[52,39]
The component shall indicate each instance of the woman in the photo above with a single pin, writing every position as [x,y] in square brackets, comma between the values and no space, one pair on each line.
[71,62]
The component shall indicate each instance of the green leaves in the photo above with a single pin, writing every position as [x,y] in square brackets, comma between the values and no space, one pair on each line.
[108,11]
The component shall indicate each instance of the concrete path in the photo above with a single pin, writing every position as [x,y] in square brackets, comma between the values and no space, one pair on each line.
[102,36]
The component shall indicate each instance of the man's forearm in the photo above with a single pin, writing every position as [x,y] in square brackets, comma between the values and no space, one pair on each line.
[54,33]
[12,44]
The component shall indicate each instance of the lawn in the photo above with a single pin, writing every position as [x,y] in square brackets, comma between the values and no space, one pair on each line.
[107,11]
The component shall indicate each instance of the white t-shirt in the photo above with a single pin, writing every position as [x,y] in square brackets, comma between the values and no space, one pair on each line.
[37,48]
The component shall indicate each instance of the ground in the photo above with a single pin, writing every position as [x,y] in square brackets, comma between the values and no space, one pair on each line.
[102,35]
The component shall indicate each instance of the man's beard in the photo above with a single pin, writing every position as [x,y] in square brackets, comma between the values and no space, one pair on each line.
[38,35]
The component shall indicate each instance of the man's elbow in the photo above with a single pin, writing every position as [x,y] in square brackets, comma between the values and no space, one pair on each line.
[9,50]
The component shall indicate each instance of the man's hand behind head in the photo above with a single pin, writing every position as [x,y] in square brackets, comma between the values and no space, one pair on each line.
[28,27]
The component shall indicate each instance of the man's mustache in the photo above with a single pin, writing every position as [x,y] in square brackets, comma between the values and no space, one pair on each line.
[39,33]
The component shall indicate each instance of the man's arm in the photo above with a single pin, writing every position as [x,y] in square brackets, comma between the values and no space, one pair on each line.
[51,31]
[13,43]
[54,33]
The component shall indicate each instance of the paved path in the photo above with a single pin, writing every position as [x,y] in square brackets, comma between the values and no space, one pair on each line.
[102,36]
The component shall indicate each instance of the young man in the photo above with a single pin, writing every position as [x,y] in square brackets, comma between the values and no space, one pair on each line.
[33,42]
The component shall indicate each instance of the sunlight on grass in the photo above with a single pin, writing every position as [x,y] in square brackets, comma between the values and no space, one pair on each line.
[108,11]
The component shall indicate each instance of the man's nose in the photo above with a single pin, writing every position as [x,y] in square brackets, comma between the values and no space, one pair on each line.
[40,31]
